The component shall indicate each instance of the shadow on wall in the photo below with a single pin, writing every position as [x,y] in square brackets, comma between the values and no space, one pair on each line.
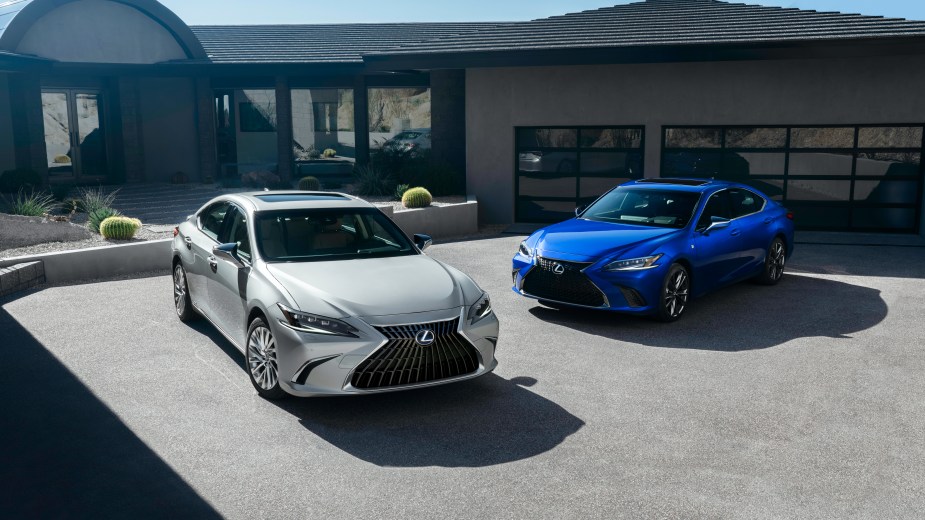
[483,422]
[64,454]
[743,317]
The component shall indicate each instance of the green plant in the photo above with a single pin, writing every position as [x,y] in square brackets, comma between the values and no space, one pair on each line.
[309,184]
[92,199]
[13,181]
[31,204]
[119,228]
[97,216]
[372,181]
[329,152]
[62,159]
[313,153]
[416,198]
[400,190]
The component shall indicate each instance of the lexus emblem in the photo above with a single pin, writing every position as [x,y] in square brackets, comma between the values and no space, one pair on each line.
[558,268]
[425,337]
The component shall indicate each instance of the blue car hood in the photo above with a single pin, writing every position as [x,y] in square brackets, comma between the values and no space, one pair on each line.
[586,240]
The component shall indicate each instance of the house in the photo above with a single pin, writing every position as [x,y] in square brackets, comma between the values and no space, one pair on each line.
[823,111]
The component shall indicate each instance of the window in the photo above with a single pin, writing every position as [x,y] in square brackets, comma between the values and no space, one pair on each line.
[211,220]
[718,206]
[832,177]
[744,202]
[559,169]
[323,121]
[396,110]
[246,137]
[238,234]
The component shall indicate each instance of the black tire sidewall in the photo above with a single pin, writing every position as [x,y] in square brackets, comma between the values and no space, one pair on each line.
[188,313]
[277,391]
[765,277]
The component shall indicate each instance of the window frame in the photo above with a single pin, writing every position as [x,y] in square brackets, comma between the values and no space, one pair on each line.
[206,210]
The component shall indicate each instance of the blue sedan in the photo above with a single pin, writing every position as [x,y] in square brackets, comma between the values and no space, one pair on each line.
[648,247]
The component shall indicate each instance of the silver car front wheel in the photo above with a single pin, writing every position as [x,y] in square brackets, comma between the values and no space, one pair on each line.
[262,364]
[181,297]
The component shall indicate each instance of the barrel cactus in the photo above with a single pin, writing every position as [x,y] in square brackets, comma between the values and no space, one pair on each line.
[328,153]
[120,228]
[416,198]
[309,184]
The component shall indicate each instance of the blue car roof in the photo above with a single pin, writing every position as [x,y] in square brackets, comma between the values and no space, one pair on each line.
[683,184]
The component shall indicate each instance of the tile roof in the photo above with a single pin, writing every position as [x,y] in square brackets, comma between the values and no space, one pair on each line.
[667,22]
[332,43]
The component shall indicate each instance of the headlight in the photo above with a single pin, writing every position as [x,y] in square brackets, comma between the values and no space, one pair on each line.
[634,264]
[524,250]
[305,322]
[481,309]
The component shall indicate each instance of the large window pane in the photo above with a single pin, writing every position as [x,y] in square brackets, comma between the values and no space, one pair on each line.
[890,137]
[57,134]
[627,164]
[544,210]
[531,186]
[887,192]
[822,217]
[835,137]
[322,120]
[547,137]
[257,150]
[548,162]
[399,120]
[884,218]
[888,164]
[691,164]
[744,164]
[693,137]
[611,138]
[756,137]
[594,187]
[826,163]
[812,190]
[773,188]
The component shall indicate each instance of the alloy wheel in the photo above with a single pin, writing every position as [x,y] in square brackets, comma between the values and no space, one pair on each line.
[261,357]
[179,289]
[677,292]
[777,259]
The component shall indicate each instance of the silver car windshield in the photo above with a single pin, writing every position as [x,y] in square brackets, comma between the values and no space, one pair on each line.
[328,234]
[658,208]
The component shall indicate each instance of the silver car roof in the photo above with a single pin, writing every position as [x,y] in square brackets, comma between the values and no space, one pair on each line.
[292,200]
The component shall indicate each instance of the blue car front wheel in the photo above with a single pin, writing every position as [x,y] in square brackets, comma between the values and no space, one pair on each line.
[675,294]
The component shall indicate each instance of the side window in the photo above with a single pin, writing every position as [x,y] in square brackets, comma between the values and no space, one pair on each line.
[717,206]
[211,220]
[239,235]
[745,202]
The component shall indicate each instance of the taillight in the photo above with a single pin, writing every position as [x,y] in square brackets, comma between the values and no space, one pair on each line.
[790,215]
[176,231]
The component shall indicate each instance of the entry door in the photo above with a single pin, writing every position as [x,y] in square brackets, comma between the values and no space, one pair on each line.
[75,143]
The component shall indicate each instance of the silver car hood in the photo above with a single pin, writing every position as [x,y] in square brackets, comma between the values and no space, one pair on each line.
[371,286]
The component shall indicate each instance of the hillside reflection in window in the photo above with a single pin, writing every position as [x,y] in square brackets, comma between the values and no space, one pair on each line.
[839,177]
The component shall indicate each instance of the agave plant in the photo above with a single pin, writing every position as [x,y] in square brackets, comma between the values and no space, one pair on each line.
[31,204]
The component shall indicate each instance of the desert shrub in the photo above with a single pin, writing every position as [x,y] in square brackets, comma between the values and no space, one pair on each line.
[119,228]
[313,153]
[372,181]
[261,179]
[400,190]
[21,179]
[309,184]
[62,159]
[92,199]
[329,152]
[97,216]
[30,203]
[416,198]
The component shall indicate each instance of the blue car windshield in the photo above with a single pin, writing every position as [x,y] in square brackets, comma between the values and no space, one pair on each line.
[658,208]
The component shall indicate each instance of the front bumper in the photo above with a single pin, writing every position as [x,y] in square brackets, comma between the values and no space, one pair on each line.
[316,365]
[634,292]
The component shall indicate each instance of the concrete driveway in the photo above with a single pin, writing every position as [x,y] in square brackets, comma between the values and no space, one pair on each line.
[801,400]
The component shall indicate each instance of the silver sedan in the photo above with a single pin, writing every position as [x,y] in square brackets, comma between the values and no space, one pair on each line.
[325,295]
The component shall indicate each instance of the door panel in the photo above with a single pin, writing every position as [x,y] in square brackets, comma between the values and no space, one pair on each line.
[75,143]
[91,144]
[55,113]
[228,282]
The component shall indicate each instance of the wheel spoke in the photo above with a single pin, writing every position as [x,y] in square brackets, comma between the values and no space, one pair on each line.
[262,358]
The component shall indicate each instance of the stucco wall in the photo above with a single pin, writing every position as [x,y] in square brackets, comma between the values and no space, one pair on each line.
[7,152]
[168,120]
[100,31]
[847,91]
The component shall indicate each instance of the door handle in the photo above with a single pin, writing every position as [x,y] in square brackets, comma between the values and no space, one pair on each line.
[189,242]
[213,263]
[768,220]
[735,232]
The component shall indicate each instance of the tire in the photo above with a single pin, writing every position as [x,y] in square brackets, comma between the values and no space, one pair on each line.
[181,298]
[774,263]
[261,360]
[675,294]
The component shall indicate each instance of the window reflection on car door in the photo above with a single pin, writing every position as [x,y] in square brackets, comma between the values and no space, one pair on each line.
[719,253]
[227,285]
[209,224]
[746,209]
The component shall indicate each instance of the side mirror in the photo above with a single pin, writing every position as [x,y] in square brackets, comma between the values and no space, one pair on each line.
[229,253]
[579,209]
[715,224]
[423,241]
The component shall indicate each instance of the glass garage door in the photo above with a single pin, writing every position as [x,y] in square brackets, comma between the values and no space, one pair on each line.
[841,178]
[559,169]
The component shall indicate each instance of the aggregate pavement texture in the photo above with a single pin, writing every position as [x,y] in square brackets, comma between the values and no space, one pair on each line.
[803,400]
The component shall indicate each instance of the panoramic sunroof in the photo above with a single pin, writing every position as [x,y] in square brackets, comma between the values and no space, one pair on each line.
[300,197]
[683,182]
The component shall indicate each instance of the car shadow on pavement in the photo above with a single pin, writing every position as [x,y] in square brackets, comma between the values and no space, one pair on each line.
[65,454]
[482,422]
[744,316]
